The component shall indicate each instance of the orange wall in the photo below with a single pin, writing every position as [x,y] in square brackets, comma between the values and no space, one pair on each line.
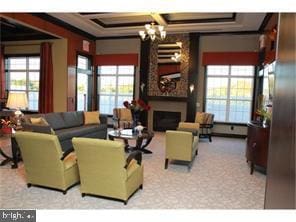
[74,46]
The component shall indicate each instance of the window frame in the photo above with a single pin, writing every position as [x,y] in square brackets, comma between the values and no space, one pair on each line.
[27,71]
[228,99]
[90,73]
[116,75]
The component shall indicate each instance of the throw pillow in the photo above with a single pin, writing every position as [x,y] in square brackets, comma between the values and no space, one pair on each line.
[200,117]
[91,117]
[42,122]
[39,121]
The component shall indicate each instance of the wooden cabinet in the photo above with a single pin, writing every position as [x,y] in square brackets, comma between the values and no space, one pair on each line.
[257,145]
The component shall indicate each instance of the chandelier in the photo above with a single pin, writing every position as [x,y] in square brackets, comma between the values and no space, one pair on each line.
[153,32]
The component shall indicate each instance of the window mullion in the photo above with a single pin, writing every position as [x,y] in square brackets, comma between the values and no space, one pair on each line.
[116,92]
[228,95]
[27,78]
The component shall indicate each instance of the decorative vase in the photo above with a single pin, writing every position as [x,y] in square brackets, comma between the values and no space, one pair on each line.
[136,118]
[6,130]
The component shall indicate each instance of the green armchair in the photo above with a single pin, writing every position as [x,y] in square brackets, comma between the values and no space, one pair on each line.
[202,125]
[45,163]
[104,170]
[180,145]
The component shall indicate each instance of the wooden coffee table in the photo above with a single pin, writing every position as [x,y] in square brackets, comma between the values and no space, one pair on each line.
[128,134]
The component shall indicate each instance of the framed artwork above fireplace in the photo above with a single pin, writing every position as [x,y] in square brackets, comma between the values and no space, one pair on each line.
[168,67]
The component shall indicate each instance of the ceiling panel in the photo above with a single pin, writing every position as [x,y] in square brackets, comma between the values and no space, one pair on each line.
[195,16]
[128,24]
[127,19]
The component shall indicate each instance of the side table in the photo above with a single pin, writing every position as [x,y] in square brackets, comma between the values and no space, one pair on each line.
[16,154]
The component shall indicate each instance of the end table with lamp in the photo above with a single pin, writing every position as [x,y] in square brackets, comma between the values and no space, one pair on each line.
[15,150]
[16,101]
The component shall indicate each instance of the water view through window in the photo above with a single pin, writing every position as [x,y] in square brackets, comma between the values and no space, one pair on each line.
[229,92]
[115,85]
[22,75]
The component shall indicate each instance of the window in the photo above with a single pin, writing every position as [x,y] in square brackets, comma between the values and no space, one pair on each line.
[22,74]
[229,92]
[84,83]
[115,85]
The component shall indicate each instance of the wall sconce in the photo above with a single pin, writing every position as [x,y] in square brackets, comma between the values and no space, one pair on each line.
[191,87]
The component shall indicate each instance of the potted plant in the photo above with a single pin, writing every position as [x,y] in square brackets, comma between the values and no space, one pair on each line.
[6,126]
[136,107]
[265,115]
[263,112]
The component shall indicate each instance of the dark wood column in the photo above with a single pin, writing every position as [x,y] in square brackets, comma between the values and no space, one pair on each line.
[280,183]
[192,76]
[144,74]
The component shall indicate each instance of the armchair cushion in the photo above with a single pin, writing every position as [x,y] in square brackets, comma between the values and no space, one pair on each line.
[204,118]
[134,156]
[70,160]
[67,153]
[199,117]
[125,114]
[189,127]
[131,168]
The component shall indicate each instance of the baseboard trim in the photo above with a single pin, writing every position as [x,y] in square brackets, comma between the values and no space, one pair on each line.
[229,135]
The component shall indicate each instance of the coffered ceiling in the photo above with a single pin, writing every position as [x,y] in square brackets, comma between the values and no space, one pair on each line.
[128,24]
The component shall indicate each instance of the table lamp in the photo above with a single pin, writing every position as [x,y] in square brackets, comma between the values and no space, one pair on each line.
[18,101]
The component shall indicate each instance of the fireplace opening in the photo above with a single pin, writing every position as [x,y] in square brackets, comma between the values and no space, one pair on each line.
[164,120]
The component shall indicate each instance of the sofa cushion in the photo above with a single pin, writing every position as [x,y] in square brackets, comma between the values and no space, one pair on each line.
[80,117]
[55,120]
[80,131]
[71,119]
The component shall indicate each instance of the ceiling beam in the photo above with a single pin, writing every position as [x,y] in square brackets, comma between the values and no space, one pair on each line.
[114,15]
[159,19]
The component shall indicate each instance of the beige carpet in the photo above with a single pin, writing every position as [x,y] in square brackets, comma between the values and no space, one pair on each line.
[219,179]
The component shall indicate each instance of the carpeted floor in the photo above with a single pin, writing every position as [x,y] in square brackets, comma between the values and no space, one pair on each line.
[219,179]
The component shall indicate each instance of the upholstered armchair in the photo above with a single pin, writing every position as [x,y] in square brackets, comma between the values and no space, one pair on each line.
[45,163]
[123,117]
[202,125]
[180,145]
[104,170]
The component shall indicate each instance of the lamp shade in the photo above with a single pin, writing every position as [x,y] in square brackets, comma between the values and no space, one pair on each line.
[17,100]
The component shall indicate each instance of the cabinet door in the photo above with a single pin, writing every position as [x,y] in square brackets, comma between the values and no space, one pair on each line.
[260,155]
[251,143]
